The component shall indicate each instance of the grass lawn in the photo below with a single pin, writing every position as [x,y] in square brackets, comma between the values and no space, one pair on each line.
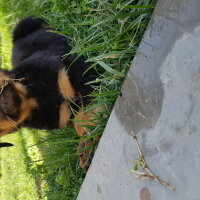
[44,164]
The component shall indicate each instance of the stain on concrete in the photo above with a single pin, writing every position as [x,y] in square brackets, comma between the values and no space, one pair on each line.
[140,105]
[99,189]
[145,194]
[143,90]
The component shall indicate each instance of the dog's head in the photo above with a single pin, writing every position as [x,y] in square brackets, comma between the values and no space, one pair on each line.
[15,106]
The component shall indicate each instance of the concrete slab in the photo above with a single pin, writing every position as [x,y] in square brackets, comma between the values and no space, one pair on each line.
[160,103]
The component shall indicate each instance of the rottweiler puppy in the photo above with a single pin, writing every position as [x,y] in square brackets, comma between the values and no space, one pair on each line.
[42,86]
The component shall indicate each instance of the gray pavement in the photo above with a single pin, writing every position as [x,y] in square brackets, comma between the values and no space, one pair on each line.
[160,103]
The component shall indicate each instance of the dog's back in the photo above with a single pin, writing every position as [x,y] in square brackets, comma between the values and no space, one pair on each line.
[33,38]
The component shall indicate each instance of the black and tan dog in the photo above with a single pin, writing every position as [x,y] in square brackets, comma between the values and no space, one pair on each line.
[42,86]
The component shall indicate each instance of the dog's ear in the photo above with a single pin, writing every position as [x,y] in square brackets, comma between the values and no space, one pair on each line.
[5,144]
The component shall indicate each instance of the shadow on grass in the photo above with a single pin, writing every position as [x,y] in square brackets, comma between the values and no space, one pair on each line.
[27,161]
[58,167]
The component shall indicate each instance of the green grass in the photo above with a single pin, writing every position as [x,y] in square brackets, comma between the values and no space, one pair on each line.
[44,165]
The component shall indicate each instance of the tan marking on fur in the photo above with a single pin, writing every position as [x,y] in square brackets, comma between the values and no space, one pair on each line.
[65,114]
[24,112]
[84,156]
[64,85]
[6,126]
[3,77]
[21,90]
[27,103]
[26,107]
[85,119]
[82,120]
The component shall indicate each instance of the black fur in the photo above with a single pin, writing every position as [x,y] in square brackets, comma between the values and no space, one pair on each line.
[5,144]
[37,57]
